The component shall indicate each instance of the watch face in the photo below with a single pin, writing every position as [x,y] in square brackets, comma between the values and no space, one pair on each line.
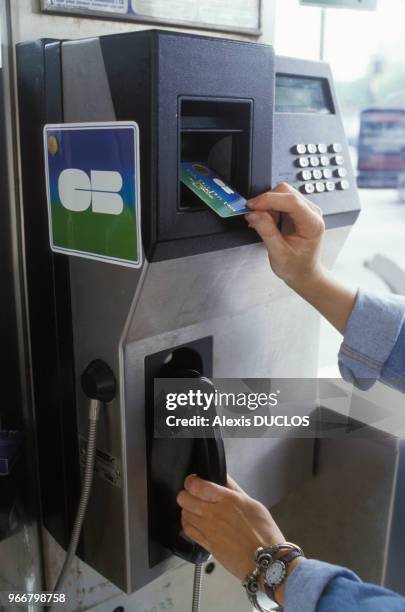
[275,573]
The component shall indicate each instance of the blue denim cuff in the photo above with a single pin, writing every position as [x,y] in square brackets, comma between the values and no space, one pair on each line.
[370,337]
[307,582]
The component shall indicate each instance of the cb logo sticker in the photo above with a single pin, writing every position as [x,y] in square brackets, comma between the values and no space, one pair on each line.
[93,191]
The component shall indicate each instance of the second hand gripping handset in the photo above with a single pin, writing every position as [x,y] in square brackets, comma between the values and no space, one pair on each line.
[173,459]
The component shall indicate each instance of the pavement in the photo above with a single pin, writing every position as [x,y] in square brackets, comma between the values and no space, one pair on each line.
[380,229]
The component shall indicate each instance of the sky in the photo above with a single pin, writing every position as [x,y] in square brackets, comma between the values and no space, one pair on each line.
[352,37]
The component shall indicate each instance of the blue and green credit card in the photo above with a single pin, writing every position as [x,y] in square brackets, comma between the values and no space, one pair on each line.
[212,190]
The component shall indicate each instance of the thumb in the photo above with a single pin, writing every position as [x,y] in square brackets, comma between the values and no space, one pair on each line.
[204,489]
[266,227]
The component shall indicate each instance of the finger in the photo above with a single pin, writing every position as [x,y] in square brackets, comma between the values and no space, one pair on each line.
[280,202]
[206,526]
[266,227]
[281,188]
[191,503]
[294,205]
[284,188]
[188,518]
[196,535]
[233,485]
[204,490]
[315,208]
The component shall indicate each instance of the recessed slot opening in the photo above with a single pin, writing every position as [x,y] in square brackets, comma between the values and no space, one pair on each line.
[216,133]
[187,361]
[181,361]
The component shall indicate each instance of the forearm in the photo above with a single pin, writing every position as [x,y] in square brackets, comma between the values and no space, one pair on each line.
[333,300]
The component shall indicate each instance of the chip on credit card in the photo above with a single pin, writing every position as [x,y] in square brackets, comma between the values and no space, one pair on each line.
[212,190]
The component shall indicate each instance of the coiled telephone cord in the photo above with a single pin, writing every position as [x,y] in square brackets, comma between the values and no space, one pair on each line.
[197,586]
[88,477]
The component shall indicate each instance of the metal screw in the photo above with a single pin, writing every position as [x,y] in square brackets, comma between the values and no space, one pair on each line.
[209,568]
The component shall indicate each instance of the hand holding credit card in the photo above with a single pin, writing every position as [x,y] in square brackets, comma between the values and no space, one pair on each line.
[212,190]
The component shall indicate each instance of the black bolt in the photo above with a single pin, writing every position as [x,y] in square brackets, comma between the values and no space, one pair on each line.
[209,568]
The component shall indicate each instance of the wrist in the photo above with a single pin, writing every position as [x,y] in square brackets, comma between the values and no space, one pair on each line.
[280,591]
[273,565]
[310,284]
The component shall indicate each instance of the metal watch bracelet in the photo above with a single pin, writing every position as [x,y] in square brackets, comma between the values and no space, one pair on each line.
[263,558]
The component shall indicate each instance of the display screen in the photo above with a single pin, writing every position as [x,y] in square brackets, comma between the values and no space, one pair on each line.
[296,94]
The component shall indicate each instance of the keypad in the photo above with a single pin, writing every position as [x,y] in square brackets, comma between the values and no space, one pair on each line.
[322,167]
[339,160]
[299,149]
[305,175]
[308,188]
[303,162]
[343,185]
[340,172]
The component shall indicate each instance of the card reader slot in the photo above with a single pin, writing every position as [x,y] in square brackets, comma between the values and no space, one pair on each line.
[216,133]
[213,130]
[210,123]
[216,149]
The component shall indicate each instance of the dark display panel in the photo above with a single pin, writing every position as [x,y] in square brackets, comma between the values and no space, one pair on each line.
[302,95]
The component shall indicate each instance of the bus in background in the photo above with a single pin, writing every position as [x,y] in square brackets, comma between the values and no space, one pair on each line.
[381,148]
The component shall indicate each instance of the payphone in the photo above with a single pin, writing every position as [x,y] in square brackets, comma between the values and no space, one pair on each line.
[204,297]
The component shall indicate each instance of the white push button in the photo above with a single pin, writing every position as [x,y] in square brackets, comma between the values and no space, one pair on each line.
[314,161]
[320,187]
[343,185]
[339,160]
[299,149]
[341,172]
[303,162]
[312,148]
[324,160]
[308,188]
[336,147]
[322,148]
[317,174]
[327,173]
[305,175]
[330,186]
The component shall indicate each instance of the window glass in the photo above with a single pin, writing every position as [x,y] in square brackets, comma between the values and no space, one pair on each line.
[297,31]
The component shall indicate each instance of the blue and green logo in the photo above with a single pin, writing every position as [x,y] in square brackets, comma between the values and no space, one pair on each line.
[92,175]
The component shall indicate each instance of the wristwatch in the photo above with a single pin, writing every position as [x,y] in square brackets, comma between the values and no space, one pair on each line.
[276,572]
[273,571]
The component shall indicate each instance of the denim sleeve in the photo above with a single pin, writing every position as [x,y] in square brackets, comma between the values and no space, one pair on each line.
[373,347]
[320,587]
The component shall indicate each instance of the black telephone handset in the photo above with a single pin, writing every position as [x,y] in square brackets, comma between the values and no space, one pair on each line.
[172,459]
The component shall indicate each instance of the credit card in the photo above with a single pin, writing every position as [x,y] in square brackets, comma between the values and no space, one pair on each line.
[212,190]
